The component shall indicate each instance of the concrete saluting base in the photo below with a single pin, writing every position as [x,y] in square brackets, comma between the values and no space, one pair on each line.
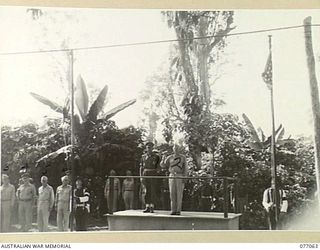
[162,220]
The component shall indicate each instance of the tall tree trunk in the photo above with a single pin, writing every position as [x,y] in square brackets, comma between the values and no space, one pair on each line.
[203,57]
[153,119]
[186,62]
[192,90]
[204,78]
[314,98]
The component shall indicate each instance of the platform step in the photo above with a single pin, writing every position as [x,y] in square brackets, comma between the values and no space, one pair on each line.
[162,220]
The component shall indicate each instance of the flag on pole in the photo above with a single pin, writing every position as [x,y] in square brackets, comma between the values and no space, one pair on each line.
[267,73]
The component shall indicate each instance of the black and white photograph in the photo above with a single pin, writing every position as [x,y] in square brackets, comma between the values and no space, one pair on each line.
[157,119]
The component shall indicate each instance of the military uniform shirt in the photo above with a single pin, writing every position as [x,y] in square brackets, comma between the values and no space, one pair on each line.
[116,185]
[128,185]
[7,193]
[176,164]
[26,192]
[46,195]
[150,161]
[64,193]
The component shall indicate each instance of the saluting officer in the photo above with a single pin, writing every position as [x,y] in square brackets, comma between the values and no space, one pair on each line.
[63,201]
[81,196]
[26,195]
[176,164]
[7,202]
[150,167]
[45,204]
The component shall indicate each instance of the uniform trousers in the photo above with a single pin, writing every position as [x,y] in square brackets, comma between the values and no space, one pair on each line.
[151,185]
[5,215]
[271,218]
[81,218]
[43,216]
[63,214]
[176,187]
[128,196]
[25,214]
[114,203]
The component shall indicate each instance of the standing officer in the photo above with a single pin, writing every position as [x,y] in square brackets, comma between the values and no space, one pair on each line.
[26,195]
[128,191]
[268,201]
[81,201]
[176,163]
[63,201]
[149,167]
[45,204]
[7,202]
[116,192]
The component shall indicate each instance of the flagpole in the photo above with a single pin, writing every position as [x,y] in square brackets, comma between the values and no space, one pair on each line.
[71,60]
[273,147]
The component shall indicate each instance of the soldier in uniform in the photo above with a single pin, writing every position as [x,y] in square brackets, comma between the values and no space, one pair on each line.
[7,202]
[63,201]
[150,166]
[45,204]
[206,194]
[26,195]
[268,202]
[81,201]
[116,192]
[176,164]
[128,191]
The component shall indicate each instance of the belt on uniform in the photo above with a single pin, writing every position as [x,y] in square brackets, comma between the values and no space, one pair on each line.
[25,200]
[206,197]
[80,205]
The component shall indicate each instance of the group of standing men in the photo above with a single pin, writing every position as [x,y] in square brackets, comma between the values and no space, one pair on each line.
[45,200]
[177,168]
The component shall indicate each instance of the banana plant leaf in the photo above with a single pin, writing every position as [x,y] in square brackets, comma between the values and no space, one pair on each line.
[66,109]
[77,124]
[56,107]
[255,145]
[267,142]
[54,155]
[280,136]
[285,141]
[263,137]
[81,98]
[119,108]
[106,146]
[251,128]
[98,104]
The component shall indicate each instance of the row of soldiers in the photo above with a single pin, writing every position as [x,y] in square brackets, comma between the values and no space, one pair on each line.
[46,200]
